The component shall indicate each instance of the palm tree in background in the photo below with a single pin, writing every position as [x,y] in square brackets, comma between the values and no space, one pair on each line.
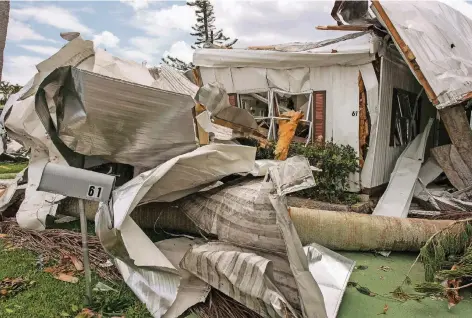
[4,15]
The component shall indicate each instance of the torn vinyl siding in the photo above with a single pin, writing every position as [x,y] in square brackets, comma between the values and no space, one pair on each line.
[392,75]
[371,84]
[339,82]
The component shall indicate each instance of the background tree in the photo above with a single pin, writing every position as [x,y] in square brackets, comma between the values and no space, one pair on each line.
[177,63]
[4,15]
[6,90]
[205,32]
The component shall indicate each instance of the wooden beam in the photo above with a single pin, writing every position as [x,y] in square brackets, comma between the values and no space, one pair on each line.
[457,125]
[408,54]
[453,166]
[366,27]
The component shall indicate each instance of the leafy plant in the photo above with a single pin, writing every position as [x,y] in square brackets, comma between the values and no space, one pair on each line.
[337,162]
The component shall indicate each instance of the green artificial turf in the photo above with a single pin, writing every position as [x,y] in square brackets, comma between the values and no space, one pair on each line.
[358,305]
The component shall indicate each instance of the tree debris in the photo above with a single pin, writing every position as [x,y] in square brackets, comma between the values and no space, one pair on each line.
[59,245]
[11,286]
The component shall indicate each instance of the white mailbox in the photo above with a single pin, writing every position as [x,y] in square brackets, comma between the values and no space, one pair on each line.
[76,183]
[84,185]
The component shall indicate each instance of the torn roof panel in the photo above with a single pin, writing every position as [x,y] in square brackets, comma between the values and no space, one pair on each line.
[351,49]
[436,45]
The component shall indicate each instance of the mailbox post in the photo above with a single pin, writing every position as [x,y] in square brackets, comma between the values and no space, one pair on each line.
[83,185]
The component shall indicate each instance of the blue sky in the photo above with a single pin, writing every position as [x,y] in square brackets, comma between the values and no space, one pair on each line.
[146,30]
[143,30]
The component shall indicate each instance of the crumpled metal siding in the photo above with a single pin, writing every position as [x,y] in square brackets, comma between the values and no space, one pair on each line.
[117,120]
[439,37]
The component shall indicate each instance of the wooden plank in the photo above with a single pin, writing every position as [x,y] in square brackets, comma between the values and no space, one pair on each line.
[344,27]
[409,56]
[457,125]
[319,116]
[202,135]
[453,166]
[363,121]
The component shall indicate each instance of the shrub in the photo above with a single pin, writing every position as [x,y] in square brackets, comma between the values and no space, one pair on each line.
[335,161]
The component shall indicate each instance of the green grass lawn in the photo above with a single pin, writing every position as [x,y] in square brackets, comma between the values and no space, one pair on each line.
[52,298]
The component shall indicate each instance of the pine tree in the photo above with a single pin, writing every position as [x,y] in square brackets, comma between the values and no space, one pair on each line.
[205,32]
[177,63]
[204,28]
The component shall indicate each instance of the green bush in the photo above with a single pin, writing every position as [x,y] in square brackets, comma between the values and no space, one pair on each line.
[335,161]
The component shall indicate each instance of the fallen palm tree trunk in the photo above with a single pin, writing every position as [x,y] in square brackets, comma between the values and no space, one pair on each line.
[342,231]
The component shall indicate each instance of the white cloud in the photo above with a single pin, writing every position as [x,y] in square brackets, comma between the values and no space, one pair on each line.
[272,22]
[106,39]
[141,49]
[51,15]
[20,69]
[136,55]
[19,31]
[164,21]
[46,50]
[180,50]
[137,4]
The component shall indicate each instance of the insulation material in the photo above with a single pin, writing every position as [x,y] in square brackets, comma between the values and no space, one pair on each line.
[286,133]
[395,202]
[97,116]
[436,37]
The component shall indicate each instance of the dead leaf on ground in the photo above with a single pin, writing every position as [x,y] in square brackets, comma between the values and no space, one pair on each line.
[10,287]
[3,235]
[67,278]
[77,264]
[88,313]
[385,268]
[385,309]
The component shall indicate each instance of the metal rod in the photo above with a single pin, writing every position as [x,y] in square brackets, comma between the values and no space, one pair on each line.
[85,251]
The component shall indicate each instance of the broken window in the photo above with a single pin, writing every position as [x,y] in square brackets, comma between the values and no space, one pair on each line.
[405,119]
[268,108]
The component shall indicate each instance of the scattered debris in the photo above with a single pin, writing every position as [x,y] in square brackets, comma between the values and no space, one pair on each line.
[385,268]
[362,289]
[11,286]
[384,311]
[53,243]
[361,267]
[66,278]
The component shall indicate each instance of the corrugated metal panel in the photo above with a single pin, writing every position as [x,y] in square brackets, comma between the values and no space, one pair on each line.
[439,37]
[173,80]
[392,75]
